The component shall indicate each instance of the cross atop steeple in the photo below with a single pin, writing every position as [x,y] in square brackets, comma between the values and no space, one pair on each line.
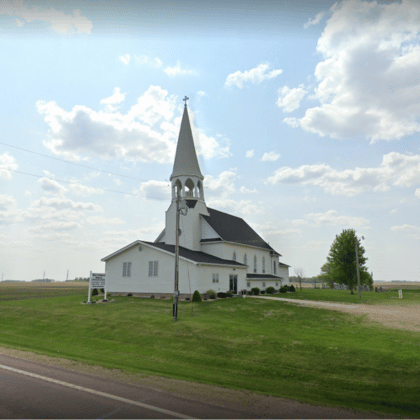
[185,100]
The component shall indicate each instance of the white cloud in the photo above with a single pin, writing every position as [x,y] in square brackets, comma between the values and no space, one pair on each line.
[9,213]
[156,190]
[331,218]
[51,186]
[268,229]
[59,21]
[289,99]
[125,59]
[243,207]
[144,59]
[396,169]
[56,226]
[315,20]
[249,154]
[417,193]
[116,98]
[393,211]
[176,70]
[255,76]
[270,156]
[99,220]
[412,230]
[245,190]
[368,84]
[201,93]
[84,189]
[7,163]
[223,186]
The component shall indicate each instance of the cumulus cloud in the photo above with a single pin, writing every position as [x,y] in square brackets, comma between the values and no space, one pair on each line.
[331,218]
[268,229]
[242,207]
[254,76]
[396,169]
[99,220]
[116,98]
[270,156]
[412,230]
[249,154]
[58,20]
[315,20]
[9,212]
[289,99]
[177,70]
[125,59]
[51,186]
[144,59]
[368,84]
[147,132]
[201,93]
[7,164]
[417,193]
[156,190]
[245,190]
[223,185]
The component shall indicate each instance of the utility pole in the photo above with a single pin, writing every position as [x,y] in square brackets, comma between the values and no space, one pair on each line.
[43,278]
[67,279]
[357,268]
[176,286]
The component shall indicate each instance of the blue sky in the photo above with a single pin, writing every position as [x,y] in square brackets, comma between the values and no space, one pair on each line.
[305,115]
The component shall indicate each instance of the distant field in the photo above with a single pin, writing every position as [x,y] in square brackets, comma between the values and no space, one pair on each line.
[410,296]
[306,354]
[408,285]
[29,290]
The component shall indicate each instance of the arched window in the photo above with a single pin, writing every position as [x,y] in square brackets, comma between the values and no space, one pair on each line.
[234,256]
[263,264]
[245,260]
[189,193]
[255,263]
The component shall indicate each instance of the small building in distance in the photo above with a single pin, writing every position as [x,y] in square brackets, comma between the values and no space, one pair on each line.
[218,251]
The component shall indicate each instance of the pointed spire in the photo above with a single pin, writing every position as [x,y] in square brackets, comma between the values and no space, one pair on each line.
[186,162]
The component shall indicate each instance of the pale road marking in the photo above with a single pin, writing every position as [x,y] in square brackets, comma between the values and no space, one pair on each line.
[102,394]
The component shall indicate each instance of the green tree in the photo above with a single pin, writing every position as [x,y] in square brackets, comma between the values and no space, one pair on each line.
[341,262]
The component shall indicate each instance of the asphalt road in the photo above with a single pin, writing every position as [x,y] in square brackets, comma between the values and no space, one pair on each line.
[85,396]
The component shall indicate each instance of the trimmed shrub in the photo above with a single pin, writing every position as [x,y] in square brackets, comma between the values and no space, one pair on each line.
[211,294]
[129,294]
[250,293]
[262,292]
[222,295]
[94,292]
[103,291]
[255,291]
[197,296]
[152,296]
[229,293]
[292,288]
[270,290]
[187,298]
[283,289]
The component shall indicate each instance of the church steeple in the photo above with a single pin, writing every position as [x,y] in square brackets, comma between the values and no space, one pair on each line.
[186,174]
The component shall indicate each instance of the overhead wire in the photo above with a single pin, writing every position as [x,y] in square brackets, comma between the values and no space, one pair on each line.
[72,163]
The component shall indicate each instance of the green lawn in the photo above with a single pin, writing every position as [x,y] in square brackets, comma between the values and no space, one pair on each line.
[410,296]
[307,354]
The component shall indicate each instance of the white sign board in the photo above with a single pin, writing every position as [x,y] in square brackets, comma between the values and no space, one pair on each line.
[96,281]
[400,294]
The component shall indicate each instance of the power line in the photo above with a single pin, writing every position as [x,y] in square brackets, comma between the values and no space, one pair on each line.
[87,186]
[72,163]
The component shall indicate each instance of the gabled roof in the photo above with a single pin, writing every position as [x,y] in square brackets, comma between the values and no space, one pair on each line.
[186,163]
[194,256]
[234,229]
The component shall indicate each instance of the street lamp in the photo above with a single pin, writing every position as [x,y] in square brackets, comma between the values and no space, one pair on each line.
[357,267]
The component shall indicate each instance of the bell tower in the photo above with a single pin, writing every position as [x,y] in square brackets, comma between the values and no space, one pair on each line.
[187,181]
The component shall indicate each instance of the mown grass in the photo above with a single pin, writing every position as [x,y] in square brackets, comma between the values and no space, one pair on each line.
[410,296]
[306,354]
[33,290]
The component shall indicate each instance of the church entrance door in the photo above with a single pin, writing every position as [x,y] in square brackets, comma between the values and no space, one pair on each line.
[233,283]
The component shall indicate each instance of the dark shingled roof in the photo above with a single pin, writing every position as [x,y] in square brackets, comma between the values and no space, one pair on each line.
[196,256]
[234,229]
[262,276]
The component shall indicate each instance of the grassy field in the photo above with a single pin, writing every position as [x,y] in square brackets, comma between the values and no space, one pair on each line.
[306,354]
[410,296]
[35,290]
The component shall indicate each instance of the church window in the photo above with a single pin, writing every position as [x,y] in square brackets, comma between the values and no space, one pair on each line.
[263,283]
[153,268]
[275,267]
[255,263]
[234,256]
[215,278]
[245,260]
[277,283]
[263,264]
[248,284]
[189,184]
[126,269]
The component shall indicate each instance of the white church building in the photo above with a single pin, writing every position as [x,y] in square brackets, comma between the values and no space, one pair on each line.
[218,251]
